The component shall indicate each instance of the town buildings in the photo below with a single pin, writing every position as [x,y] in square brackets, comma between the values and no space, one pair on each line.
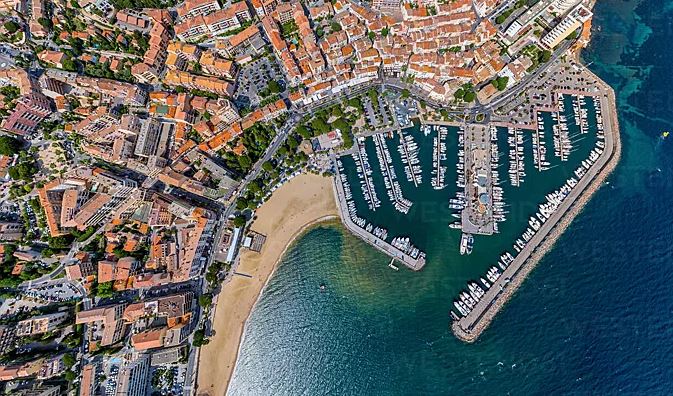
[159,128]
[40,324]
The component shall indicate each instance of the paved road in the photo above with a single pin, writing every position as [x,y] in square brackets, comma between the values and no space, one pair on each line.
[296,114]
[523,84]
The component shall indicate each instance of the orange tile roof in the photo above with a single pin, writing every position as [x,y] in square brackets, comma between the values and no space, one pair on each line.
[149,339]
[105,271]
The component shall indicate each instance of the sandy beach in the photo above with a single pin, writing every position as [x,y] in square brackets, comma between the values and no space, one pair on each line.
[300,203]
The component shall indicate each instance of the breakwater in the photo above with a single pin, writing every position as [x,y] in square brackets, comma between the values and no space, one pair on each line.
[470,327]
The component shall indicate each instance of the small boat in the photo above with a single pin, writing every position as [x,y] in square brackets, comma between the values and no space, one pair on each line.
[466,242]
[393,266]
[322,287]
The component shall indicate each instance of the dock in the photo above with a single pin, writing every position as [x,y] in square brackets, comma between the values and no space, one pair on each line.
[407,155]
[477,217]
[470,327]
[369,192]
[415,264]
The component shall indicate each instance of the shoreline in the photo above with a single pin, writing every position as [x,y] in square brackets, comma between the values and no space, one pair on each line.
[303,230]
[472,334]
[295,208]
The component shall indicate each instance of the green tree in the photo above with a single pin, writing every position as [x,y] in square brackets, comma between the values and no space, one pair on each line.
[318,124]
[341,125]
[9,145]
[336,111]
[244,161]
[23,171]
[68,360]
[206,300]
[500,83]
[69,64]
[469,97]
[239,221]
[267,166]
[69,376]
[199,338]
[104,290]
[304,132]
[11,26]
[275,87]
[45,22]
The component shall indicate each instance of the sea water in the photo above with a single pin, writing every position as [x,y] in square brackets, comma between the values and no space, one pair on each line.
[594,317]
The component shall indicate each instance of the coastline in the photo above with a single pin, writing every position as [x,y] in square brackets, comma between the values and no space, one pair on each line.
[472,334]
[293,209]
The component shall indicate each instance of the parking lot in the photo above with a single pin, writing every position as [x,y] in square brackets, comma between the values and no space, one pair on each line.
[57,290]
[253,79]
[167,379]
[377,114]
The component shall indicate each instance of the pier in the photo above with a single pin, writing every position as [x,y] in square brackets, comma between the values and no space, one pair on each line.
[438,154]
[360,156]
[516,161]
[469,327]
[477,216]
[389,176]
[408,160]
[415,264]
[539,148]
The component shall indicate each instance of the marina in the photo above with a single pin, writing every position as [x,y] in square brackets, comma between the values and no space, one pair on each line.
[516,165]
[476,310]
[375,236]
[472,219]
[408,149]
[438,154]
[539,146]
[562,142]
[393,188]
[365,172]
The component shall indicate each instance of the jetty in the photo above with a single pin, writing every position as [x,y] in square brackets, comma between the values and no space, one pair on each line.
[393,188]
[409,152]
[477,216]
[413,263]
[470,327]
[364,172]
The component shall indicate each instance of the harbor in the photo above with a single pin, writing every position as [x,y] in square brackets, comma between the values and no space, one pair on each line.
[438,154]
[508,198]
[401,250]
[480,305]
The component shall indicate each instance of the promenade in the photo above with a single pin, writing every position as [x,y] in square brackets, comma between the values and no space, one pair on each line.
[470,327]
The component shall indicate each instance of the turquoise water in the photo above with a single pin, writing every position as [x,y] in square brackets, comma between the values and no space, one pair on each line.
[593,318]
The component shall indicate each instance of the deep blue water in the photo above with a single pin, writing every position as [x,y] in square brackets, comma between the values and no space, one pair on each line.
[595,317]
